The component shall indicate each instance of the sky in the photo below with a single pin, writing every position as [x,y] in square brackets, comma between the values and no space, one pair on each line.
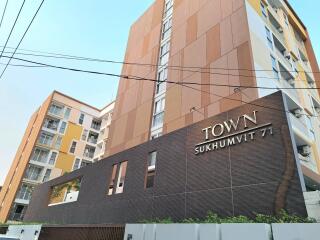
[95,28]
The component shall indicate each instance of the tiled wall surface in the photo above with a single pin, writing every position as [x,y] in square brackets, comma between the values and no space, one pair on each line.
[259,175]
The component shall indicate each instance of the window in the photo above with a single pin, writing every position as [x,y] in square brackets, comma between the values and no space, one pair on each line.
[67,113]
[117,181]
[275,67]
[84,135]
[85,163]
[58,142]
[164,53]
[269,38]
[168,8]
[65,192]
[40,155]
[158,112]
[166,28]
[81,118]
[263,9]
[45,138]
[73,147]
[112,180]
[151,169]
[93,137]
[155,135]
[285,19]
[51,124]
[96,124]
[121,177]
[46,176]
[162,77]
[25,192]
[55,109]
[89,151]
[76,164]
[33,172]
[53,157]
[63,127]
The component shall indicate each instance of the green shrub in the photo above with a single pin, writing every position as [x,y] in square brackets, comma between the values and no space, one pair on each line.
[282,217]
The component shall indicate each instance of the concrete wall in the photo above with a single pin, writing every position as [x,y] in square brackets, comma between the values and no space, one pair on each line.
[222,231]
[22,232]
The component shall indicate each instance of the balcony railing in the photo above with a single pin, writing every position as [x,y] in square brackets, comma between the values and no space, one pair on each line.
[96,126]
[92,140]
[18,217]
[285,61]
[289,89]
[88,154]
[301,127]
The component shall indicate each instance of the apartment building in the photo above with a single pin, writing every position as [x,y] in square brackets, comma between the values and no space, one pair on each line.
[63,135]
[255,46]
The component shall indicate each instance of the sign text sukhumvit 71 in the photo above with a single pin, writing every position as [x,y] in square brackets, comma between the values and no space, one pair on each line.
[228,134]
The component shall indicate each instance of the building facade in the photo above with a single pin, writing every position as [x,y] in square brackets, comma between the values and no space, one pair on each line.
[239,162]
[63,135]
[233,52]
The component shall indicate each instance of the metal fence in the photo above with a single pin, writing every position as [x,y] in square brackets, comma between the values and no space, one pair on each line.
[82,232]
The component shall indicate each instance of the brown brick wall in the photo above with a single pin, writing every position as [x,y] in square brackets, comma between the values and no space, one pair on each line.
[255,176]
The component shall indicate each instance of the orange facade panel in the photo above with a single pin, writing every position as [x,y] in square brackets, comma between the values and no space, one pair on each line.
[212,36]
[20,162]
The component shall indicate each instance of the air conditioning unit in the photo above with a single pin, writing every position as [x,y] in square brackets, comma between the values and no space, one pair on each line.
[291,82]
[287,54]
[298,112]
[305,150]
[275,9]
[280,30]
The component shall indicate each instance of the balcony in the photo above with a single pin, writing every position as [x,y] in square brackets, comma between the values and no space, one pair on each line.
[96,124]
[89,152]
[55,110]
[275,25]
[301,129]
[51,124]
[93,137]
[283,55]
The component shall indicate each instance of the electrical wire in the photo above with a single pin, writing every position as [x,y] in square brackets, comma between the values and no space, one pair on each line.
[151,79]
[4,12]
[184,84]
[14,24]
[189,68]
[24,34]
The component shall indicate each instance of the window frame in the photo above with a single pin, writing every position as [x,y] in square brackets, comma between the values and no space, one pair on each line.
[73,146]
[150,169]
[55,158]
[81,118]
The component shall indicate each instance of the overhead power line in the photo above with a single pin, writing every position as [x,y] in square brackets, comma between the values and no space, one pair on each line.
[13,26]
[183,84]
[24,34]
[183,69]
[189,68]
[4,12]
[149,79]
